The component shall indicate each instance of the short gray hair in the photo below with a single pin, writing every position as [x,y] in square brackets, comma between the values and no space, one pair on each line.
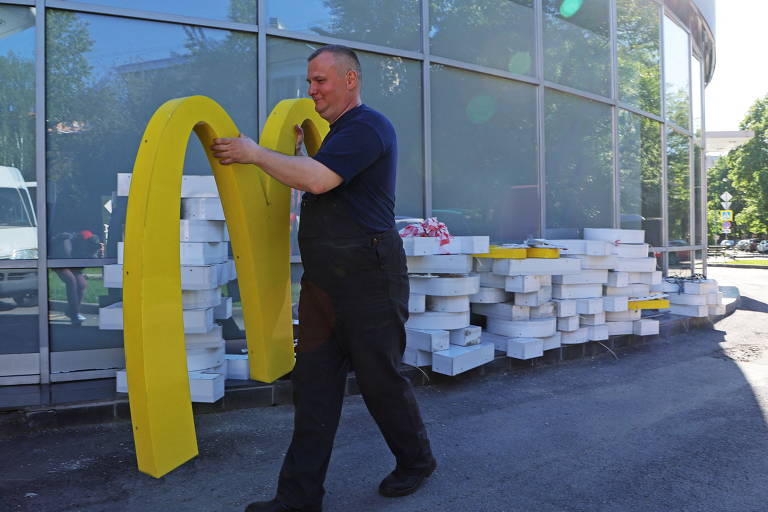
[341,52]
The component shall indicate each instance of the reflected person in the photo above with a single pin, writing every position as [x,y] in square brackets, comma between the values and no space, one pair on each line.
[82,244]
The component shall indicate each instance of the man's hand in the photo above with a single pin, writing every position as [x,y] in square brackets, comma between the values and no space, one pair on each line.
[242,150]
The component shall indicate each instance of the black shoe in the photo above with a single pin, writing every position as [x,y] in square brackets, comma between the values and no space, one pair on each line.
[402,482]
[269,506]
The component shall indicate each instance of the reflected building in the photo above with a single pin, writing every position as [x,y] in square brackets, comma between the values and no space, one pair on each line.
[515,118]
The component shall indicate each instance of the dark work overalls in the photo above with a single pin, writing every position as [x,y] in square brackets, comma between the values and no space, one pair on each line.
[352,307]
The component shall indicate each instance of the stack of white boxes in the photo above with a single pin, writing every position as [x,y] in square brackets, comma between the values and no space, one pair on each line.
[438,332]
[694,298]
[205,269]
[524,324]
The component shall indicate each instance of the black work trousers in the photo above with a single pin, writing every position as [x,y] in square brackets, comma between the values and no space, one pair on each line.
[352,310]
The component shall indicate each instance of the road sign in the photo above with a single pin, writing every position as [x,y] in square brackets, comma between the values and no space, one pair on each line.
[726,196]
[726,215]
[726,230]
[726,224]
[726,205]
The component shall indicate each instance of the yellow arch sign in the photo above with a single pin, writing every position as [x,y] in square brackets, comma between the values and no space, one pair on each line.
[257,209]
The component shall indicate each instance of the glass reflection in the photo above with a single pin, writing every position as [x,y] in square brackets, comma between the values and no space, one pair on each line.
[484,178]
[579,165]
[640,175]
[395,24]
[680,263]
[577,50]
[639,54]
[699,223]
[18,311]
[105,78]
[494,33]
[18,222]
[243,11]
[678,189]
[677,84]
[696,86]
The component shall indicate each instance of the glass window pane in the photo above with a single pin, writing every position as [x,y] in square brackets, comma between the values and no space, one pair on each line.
[637,29]
[242,11]
[680,263]
[677,84]
[18,219]
[640,175]
[577,49]
[396,24]
[696,96]
[18,312]
[678,189]
[579,165]
[698,221]
[495,33]
[105,78]
[484,155]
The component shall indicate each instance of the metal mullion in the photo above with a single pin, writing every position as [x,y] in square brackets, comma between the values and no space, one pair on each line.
[576,92]
[485,70]
[662,84]
[27,3]
[679,129]
[639,111]
[11,264]
[704,174]
[538,30]
[40,176]
[261,65]
[355,45]
[150,15]
[426,109]
[664,199]
[616,182]
[80,262]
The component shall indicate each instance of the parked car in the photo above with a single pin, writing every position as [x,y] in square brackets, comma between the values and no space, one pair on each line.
[727,243]
[743,245]
[762,246]
[753,244]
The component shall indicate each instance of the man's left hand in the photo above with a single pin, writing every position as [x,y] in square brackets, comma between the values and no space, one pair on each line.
[240,150]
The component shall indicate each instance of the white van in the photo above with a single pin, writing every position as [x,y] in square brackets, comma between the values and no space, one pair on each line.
[18,236]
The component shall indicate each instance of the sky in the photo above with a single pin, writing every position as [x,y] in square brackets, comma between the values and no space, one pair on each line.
[741,73]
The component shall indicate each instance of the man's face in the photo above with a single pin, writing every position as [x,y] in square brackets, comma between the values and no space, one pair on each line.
[329,87]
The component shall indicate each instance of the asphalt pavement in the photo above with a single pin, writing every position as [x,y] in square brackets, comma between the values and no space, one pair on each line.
[677,424]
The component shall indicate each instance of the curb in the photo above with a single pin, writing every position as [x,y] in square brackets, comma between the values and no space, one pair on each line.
[735,265]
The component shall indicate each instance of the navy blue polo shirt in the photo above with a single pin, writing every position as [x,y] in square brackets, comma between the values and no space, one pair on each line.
[361,147]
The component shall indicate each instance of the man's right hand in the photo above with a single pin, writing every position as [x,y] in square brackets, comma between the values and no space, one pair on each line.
[240,150]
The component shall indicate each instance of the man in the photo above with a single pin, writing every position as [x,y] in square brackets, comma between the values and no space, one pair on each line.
[354,292]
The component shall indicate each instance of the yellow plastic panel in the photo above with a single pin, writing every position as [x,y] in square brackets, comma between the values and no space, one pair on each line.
[504,253]
[543,252]
[648,304]
[257,211]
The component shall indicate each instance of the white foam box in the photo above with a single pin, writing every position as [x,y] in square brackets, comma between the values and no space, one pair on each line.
[427,340]
[203,231]
[597,332]
[195,320]
[615,236]
[536,298]
[457,359]
[237,367]
[668,287]
[202,208]
[615,303]
[499,342]
[204,277]
[551,342]
[200,358]
[618,279]
[111,317]
[537,266]
[483,264]
[689,310]
[631,250]
[197,299]
[417,303]
[623,316]
[206,387]
[447,304]
[595,319]
[688,299]
[631,290]
[700,287]
[715,298]
[564,307]
[648,278]
[421,245]
[504,310]
[466,245]
[538,328]
[583,277]
[568,323]
[226,272]
[716,309]
[438,320]
[645,327]
[525,348]
[192,253]
[212,338]
[223,310]
[576,291]
[585,247]
[445,286]
[636,264]
[416,357]
[589,306]
[191,186]
[595,262]
[522,284]
[488,295]
[440,264]
[619,328]
[545,280]
[545,310]
[580,335]
[466,336]
[491,280]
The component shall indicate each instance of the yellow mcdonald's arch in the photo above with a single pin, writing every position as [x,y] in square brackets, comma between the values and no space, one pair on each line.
[257,209]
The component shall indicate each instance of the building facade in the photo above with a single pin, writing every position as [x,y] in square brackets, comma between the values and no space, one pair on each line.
[515,118]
